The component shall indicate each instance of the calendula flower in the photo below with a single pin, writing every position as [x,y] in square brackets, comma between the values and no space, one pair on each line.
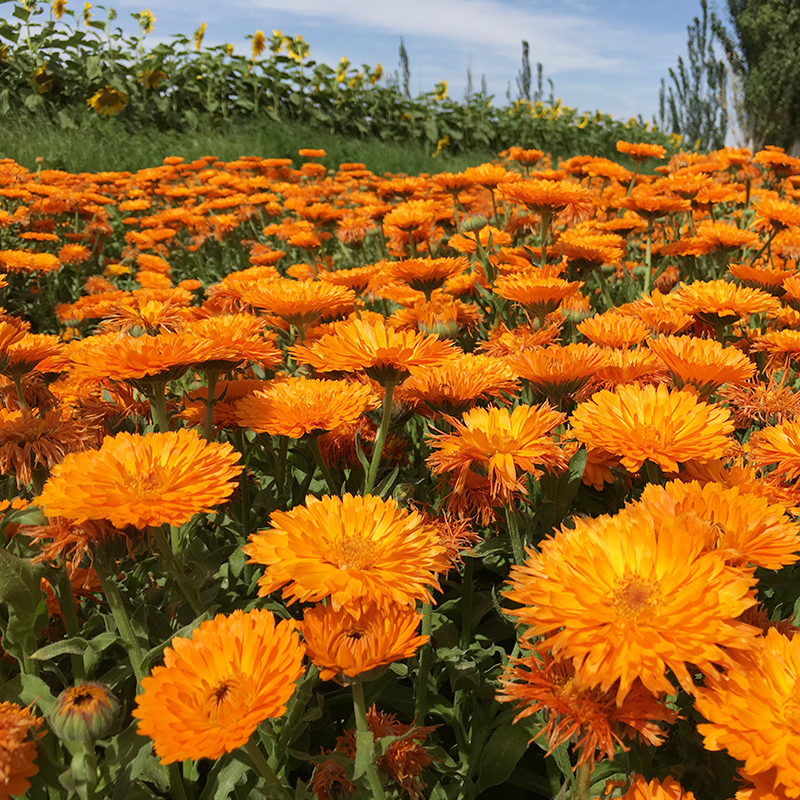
[750,710]
[498,442]
[359,637]
[778,447]
[217,687]
[142,480]
[669,789]
[385,354]
[18,746]
[548,197]
[591,719]
[424,274]
[348,548]
[538,294]
[108,101]
[84,713]
[640,152]
[653,423]
[614,330]
[720,301]
[631,596]
[295,407]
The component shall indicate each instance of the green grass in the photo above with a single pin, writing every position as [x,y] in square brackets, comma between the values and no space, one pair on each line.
[99,144]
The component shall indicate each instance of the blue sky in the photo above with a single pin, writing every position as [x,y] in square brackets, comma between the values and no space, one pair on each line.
[600,54]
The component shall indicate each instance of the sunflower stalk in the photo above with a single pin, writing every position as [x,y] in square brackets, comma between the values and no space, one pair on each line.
[380,439]
[365,744]
[274,788]
[175,570]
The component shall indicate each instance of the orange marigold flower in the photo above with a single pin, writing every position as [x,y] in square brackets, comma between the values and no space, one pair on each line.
[778,447]
[295,407]
[631,366]
[142,480]
[74,254]
[424,274]
[751,711]
[18,746]
[653,423]
[631,596]
[705,364]
[724,237]
[744,528]
[538,294]
[759,404]
[772,212]
[498,442]
[548,197]
[669,789]
[767,277]
[780,346]
[590,718]
[503,342]
[614,330]
[348,548]
[719,300]
[33,351]
[359,637]
[442,316]
[558,371]
[214,689]
[641,151]
[236,338]
[648,203]
[385,354]
[300,302]
[458,385]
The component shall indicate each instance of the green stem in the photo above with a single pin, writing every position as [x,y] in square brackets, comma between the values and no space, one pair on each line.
[583,781]
[63,592]
[244,481]
[545,228]
[20,395]
[313,443]
[274,788]
[421,703]
[365,743]
[648,257]
[176,785]
[513,533]
[105,566]
[466,603]
[280,467]
[158,405]
[176,571]
[211,400]
[380,439]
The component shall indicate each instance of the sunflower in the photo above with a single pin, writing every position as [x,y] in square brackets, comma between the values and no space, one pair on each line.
[631,596]
[348,548]
[746,529]
[359,637]
[18,746]
[142,480]
[295,407]
[259,43]
[108,101]
[589,718]
[214,689]
[752,711]
[386,355]
[703,363]
[498,442]
[653,423]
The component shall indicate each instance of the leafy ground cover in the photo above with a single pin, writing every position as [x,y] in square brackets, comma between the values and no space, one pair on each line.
[322,483]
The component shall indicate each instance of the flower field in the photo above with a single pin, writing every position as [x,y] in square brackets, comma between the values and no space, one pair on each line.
[325,484]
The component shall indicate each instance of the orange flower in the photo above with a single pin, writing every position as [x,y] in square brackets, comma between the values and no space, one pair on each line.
[295,407]
[548,197]
[631,596]
[359,637]
[538,294]
[778,446]
[18,746]
[703,363]
[458,385]
[614,330]
[237,338]
[640,152]
[348,548]
[752,711]
[300,302]
[214,689]
[641,423]
[424,274]
[386,355]
[648,203]
[744,528]
[142,480]
[632,366]
[719,300]
[589,718]
[670,789]
[498,441]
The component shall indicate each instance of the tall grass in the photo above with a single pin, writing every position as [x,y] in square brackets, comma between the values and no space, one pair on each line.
[99,144]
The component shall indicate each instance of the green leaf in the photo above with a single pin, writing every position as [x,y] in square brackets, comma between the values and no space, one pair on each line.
[364,753]
[75,645]
[35,690]
[505,748]
[223,778]
[21,592]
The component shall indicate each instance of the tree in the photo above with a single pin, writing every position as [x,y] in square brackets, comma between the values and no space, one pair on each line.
[763,48]
[695,105]
[406,72]
[524,77]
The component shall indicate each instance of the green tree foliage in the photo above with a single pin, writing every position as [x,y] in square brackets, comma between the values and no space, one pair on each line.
[763,48]
[695,105]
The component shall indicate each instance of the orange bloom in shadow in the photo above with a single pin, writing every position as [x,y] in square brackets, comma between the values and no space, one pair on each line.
[213,690]
[348,548]
[359,637]
[18,747]
[669,789]
[590,718]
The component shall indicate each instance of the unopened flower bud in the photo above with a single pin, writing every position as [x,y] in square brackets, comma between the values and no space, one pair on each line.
[477,222]
[84,713]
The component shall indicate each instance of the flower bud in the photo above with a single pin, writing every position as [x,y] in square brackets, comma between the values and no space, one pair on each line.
[84,713]
[476,222]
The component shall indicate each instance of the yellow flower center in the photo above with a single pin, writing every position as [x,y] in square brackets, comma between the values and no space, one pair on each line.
[355,552]
[148,484]
[633,595]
